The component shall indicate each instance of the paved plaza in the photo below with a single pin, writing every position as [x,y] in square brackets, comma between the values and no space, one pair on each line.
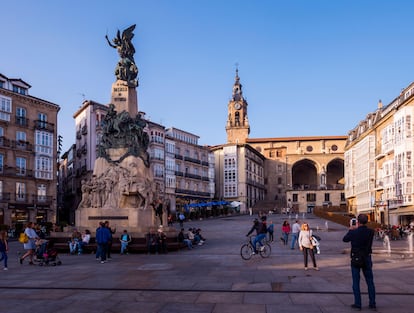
[211,278]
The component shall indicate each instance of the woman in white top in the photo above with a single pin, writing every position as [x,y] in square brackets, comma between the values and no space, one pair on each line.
[30,246]
[305,245]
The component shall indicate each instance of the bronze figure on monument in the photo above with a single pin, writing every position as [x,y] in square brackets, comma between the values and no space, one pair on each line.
[126,68]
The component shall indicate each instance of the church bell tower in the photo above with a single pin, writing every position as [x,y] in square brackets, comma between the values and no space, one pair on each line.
[237,126]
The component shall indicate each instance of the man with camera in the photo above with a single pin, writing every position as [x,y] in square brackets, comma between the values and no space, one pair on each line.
[361,238]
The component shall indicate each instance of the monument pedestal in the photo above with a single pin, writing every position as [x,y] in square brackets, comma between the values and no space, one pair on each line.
[124,98]
[121,193]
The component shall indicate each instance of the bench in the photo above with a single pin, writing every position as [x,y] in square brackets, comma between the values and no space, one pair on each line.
[137,245]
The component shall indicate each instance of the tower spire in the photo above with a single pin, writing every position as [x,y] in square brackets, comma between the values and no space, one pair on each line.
[237,127]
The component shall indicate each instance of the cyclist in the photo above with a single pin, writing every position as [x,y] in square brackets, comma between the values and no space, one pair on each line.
[261,230]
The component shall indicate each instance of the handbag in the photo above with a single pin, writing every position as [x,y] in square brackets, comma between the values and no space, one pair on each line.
[23,238]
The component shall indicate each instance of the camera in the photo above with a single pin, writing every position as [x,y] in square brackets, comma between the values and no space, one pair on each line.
[353,222]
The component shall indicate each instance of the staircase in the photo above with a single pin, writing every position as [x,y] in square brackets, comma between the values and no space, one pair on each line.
[265,206]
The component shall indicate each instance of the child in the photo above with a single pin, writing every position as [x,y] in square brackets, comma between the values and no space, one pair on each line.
[4,248]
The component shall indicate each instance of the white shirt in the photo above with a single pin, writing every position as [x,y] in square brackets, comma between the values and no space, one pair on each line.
[295,228]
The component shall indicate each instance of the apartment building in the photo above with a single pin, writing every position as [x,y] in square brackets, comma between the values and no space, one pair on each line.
[28,154]
[189,171]
[378,162]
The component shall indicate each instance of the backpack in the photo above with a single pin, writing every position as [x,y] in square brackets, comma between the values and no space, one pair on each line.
[23,238]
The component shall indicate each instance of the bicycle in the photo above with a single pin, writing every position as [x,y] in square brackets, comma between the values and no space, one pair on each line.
[247,251]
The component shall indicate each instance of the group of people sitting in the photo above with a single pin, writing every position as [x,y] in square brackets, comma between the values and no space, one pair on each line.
[156,241]
[191,237]
[78,241]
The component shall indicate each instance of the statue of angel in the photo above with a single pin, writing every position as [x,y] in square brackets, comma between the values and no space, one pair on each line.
[126,68]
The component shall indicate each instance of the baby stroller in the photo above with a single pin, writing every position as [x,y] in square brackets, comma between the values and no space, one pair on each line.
[45,254]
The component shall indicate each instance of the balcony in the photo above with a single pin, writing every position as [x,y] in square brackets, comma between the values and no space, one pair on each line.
[84,130]
[4,142]
[21,145]
[192,176]
[179,157]
[188,159]
[84,148]
[16,172]
[318,187]
[4,196]
[21,121]
[43,125]
[42,200]
[191,192]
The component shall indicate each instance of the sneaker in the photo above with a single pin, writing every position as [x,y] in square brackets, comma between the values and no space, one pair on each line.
[102,262]
[306,268]
[21,261]
[316,268]
[253,253]
[5,269]
[262,248]
[356,307]
[372,307]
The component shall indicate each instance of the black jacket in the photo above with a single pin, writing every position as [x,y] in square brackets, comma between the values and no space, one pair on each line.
[360,238]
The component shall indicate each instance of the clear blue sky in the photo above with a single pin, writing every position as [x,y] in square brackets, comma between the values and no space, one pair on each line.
[307,67]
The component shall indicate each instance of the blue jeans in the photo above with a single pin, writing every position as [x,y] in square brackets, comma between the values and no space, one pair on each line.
[101,251]
[258,239]
[285,238]
[294,240]
[124,246]
[4,257]
[369,278]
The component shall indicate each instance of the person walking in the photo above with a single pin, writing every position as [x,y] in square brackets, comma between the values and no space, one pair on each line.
[305,245]
[295,234]
[285,232]
[30,245]
[361,237]
[4,248]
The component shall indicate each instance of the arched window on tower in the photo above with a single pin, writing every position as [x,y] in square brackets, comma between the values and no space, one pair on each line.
[237,118]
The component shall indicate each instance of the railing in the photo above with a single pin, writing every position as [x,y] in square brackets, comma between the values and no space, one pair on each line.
[16,171]
[192,192]
[22,121]
[43,125]
[21,145]
[192,176]
[318,187]
[192,160]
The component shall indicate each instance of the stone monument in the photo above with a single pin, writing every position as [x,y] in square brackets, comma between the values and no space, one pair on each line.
[122,188]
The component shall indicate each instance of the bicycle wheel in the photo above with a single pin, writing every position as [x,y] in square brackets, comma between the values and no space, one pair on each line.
[266,251]
[246,251]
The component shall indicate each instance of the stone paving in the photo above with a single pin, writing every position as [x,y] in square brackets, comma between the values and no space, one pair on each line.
[211,278]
